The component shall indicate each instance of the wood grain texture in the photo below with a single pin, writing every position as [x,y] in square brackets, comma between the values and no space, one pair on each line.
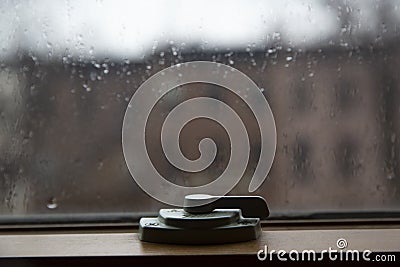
[28,244]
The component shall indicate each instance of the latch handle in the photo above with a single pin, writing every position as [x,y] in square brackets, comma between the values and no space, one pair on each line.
[251,206]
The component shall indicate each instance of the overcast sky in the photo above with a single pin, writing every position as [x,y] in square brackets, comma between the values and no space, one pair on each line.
[133,29]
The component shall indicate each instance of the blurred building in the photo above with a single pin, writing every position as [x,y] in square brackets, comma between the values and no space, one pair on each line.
[336,113]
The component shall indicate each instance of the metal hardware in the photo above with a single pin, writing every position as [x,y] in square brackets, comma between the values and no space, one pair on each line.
[207,219]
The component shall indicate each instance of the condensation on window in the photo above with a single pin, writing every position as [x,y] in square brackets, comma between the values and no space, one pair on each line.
[329,70]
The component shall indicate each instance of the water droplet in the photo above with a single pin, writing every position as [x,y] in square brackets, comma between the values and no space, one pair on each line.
[390,175]
[276,36]
[88,89]
[393,138]
[65,60]
[174,51]
[93,75]
[289,58]
[52,203]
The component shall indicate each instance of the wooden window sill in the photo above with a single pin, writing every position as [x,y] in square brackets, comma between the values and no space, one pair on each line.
[81,243]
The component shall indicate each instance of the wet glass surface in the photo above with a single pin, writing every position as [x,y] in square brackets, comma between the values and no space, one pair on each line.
[329,70]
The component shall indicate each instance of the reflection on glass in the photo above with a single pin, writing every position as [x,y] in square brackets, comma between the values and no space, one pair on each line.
[327,68]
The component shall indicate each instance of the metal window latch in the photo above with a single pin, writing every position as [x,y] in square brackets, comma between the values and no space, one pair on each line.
[207,219]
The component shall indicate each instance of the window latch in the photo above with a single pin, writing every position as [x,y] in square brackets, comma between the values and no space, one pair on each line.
[207,219]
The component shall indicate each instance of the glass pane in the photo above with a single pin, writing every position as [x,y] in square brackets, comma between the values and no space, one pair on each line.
[327,68]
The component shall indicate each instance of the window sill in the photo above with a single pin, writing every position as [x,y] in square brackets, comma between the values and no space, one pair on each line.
[96,243]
